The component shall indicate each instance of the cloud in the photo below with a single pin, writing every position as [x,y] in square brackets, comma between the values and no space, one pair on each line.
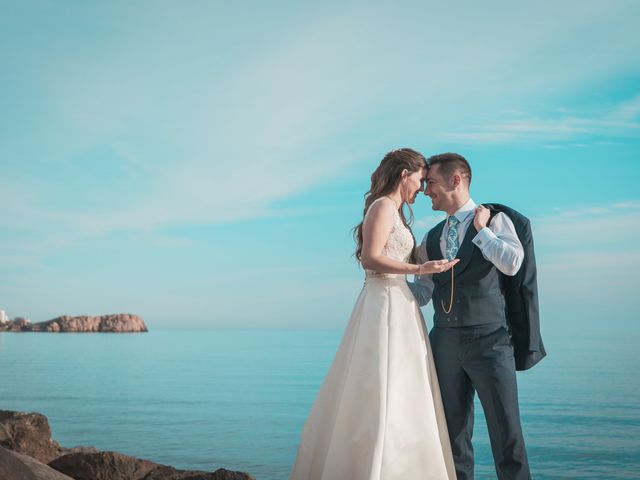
[631,205]
[589,225]
[244,139]
[148,122]
[589,255]
[621,120]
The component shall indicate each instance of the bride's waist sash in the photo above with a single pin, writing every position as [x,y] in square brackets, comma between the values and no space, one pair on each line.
[388,278]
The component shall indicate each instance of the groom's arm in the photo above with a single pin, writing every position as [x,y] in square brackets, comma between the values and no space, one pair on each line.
[500,244]
[422,286]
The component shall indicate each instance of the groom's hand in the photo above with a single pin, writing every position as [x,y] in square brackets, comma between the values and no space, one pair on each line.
[481,218]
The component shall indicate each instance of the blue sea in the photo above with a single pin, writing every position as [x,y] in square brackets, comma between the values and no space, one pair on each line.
[238,399]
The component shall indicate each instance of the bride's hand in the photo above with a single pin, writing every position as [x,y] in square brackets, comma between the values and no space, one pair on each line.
[437,266]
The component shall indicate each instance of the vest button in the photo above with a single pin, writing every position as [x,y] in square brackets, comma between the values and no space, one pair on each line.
[448,319]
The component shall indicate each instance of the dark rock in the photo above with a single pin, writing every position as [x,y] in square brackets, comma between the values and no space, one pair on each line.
[15,466]
[169,473]
[103,466]
[116,466]
[29,434]
[81,449]
[222,474]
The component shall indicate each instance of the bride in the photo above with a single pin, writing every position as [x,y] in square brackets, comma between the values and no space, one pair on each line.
[379,415]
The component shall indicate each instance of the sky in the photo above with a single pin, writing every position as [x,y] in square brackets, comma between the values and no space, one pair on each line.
[202,164]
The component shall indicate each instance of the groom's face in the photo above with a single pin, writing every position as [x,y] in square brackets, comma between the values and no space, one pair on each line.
[439,189]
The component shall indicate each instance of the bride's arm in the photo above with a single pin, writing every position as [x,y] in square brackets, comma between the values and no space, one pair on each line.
[375,231]
[422,286]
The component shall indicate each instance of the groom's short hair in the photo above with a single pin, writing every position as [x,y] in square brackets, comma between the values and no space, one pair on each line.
[450,163]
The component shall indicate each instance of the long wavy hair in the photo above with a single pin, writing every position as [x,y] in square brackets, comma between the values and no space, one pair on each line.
[384,181]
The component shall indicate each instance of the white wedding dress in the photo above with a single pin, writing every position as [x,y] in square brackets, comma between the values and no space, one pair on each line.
[379,414]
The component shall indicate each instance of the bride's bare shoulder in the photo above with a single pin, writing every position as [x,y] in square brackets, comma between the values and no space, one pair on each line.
[381,207]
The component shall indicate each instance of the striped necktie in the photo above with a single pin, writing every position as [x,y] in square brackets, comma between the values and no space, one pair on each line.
[452,238]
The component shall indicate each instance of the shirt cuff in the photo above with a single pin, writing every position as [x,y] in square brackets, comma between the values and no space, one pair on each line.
[483,237]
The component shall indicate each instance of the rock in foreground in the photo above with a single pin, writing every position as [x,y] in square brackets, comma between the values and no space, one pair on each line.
[116,466]
[28,434]
[14,465]
[117,323]
[26,447]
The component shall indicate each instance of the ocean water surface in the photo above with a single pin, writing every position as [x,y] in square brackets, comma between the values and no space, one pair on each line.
[238,399]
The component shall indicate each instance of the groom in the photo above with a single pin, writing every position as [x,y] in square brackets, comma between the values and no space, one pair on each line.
[470,340]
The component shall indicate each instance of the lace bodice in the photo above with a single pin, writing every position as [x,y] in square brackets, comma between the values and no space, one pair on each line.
[399,245]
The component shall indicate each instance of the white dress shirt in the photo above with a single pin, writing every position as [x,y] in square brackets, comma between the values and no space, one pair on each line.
[498,243]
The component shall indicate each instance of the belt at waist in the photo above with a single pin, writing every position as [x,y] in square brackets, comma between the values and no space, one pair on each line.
[391,278]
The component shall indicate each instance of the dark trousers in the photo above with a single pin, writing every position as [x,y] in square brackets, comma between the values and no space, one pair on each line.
[480,358]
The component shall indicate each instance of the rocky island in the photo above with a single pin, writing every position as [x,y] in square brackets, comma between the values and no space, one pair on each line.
[116,323]
[27,452]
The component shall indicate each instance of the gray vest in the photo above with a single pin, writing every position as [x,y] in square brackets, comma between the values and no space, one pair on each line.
[478,293]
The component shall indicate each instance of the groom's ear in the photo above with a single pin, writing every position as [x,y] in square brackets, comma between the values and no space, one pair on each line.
[455,180]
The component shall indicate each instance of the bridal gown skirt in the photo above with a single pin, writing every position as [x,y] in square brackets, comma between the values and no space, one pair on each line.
[379,414]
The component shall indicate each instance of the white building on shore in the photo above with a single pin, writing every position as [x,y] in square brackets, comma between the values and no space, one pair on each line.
[3,317]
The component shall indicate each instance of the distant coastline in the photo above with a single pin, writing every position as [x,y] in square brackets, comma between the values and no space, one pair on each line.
[112,323]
